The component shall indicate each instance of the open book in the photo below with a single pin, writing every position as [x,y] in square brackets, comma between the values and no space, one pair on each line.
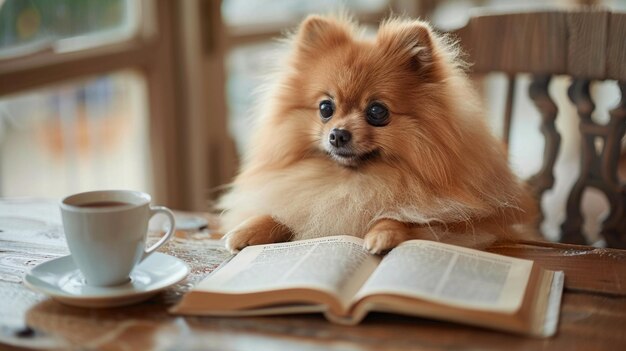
[337,277]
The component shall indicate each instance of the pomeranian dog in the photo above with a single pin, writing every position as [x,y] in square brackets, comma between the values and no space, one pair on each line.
[381,138]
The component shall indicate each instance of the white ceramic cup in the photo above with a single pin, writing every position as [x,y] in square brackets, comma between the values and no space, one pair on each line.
[107,242]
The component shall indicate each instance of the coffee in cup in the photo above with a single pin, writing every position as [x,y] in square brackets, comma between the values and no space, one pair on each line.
[106,233]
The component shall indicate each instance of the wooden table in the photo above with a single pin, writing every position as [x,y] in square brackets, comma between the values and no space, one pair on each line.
[593,314]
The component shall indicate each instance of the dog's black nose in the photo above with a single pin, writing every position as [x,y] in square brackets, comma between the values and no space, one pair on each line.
[339,137]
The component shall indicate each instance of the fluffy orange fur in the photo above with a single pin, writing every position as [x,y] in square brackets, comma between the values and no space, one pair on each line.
[433,171]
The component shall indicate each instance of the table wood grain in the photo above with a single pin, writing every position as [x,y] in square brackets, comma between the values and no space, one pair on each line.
[593,313]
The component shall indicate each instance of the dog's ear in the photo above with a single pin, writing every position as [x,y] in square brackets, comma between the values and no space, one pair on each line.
[318,33]
[408,39]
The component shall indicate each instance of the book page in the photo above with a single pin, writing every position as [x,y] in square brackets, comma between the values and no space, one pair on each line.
[337,264]
[451,275]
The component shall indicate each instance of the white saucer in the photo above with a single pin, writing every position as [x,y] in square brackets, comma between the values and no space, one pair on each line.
[61,280]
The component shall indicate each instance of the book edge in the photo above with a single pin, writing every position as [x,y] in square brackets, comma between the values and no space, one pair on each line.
[551,318]
[256,312]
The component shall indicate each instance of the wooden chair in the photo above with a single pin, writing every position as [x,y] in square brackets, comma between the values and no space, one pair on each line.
[588,45]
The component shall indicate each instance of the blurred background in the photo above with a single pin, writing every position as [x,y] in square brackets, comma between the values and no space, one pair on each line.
[155,95]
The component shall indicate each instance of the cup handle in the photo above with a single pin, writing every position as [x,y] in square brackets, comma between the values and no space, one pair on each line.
[170,215]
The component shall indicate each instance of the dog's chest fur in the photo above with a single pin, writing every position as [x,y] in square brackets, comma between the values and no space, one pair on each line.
[315,200]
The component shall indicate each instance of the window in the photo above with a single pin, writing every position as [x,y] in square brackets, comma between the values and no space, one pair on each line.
[29,26]
[87,98]
[76,136]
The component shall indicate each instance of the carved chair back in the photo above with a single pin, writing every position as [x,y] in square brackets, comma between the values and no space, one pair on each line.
[587,45]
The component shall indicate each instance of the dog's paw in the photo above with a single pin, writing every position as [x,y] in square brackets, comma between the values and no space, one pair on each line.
[382,240]
[256,231]
[385,235]
[240,237]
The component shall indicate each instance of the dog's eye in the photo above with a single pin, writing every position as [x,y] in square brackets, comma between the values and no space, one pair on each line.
[327,109]
[377,114]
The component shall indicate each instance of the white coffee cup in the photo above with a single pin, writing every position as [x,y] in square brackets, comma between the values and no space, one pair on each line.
[106,233]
